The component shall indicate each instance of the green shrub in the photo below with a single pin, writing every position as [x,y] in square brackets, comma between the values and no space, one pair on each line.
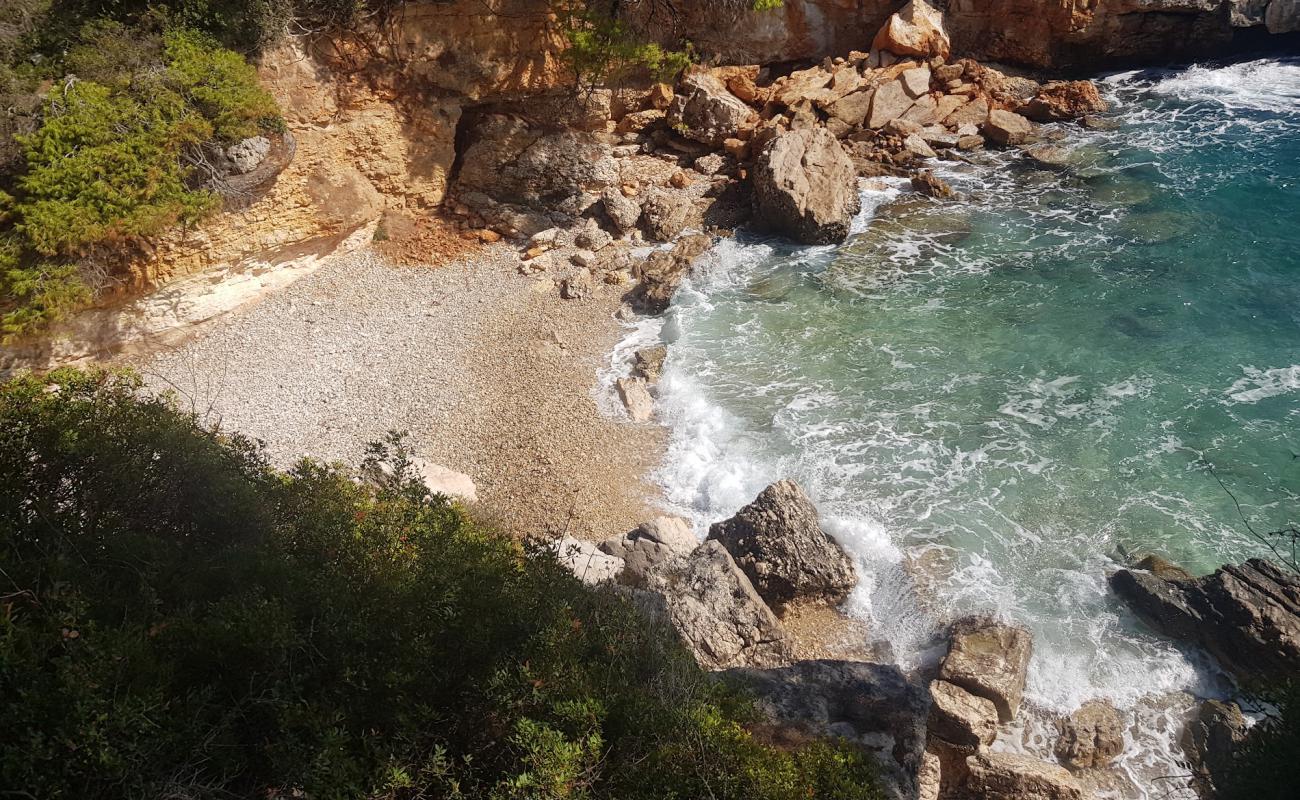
[180,619]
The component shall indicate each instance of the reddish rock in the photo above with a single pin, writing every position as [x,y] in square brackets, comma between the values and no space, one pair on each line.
[916,30]
[1061,100]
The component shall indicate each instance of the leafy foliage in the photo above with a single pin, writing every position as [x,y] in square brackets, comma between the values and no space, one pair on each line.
[178,618]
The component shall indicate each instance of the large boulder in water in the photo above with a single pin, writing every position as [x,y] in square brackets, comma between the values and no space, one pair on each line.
[989,659]
[1090,737]
[779,543]
[1246,615]
[663,271]
[1060,100]
[805,187]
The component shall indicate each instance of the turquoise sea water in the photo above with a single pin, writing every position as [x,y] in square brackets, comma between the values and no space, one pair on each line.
[992,400]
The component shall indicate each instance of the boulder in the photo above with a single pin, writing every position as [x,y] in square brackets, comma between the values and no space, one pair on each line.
[665,214]
[975,112]
[989,660]
[852,109]
[1210,740]
[925,111]
[513,161]
[649,544]
[448,482]
[715,610]
[1008,776]
[1246,615]
[805,187]
[916,81]
[917,146]
[648,362]
[1007,127]
[624,212]
[889,102]
[778,542]
[872,705]
[1062,100]
[587,563]
[636,398]
[959,717]
[916,30]
[1282,16]
[929,776]
[1091,737]
[248,154]
[704,110]
[663,271]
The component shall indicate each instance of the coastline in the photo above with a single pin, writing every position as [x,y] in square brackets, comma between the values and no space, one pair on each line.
[491,374]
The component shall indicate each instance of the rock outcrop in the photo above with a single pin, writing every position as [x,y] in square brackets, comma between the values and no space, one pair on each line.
[1246,615]
[959,717]
[663,271]
[805,187]
[1210,740]
[715,610]
[1091,737]
[779,543]
[989,659]
[707,111]
[872,705]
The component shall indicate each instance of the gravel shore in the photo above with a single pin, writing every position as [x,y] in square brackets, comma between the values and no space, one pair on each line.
[490,372]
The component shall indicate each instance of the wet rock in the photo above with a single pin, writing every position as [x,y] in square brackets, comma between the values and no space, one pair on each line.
[1049,156]
[1062,100]
[1007,128]
[636,398]
[586,562]
[648,545]
[715,610]
[970,142]
[1163,568]
[871,704]
[1211,739]
[928,184]
[805,187]
[989,659]
[959,717]
[779,543]
[1096,123]
[663,271]
[704,110]
[1091,737]
[1246,615]
[1007,776]
[916,30]
[648,362]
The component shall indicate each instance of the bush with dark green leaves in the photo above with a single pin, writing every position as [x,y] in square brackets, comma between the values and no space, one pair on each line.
[180,619]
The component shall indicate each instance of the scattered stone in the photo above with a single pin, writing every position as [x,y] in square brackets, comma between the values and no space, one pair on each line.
[925,111]
[852,108]
[1008,776]
[779,543]
[1246,615]
[989,659]
[648,362]
[959,717]
[805,187]
[902,127]
[916,30]
[578,286]
[248,154]
[587,563]
[715,610]
[970,142]
[949,72]
[636,398]
[1007,128]
[544,240]
[1091,737]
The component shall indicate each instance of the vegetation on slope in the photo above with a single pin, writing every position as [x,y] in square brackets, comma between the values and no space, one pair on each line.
[180,619]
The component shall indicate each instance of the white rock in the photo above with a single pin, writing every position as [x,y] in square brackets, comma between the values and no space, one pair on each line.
[587,563]
[441,480]
[636,398]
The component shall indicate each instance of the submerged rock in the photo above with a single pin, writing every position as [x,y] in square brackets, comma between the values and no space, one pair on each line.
[989,659]
[805,187]
[779,543]
[1091,737]
[1246,615]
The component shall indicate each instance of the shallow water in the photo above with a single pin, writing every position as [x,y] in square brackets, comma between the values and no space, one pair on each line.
[992,401]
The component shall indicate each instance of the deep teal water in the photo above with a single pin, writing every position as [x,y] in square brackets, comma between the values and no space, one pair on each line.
[993,400]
